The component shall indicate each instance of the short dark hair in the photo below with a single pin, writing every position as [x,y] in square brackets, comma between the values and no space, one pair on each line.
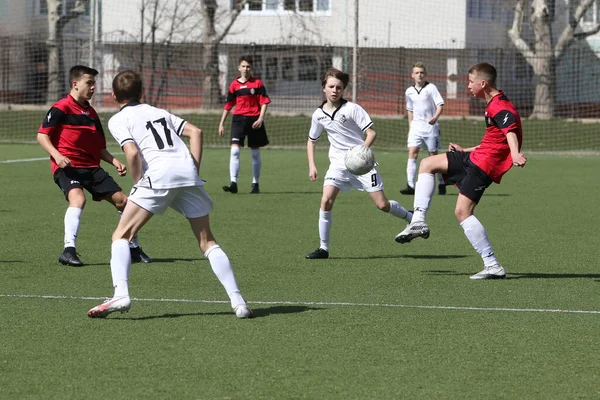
[486,71]
[335,73]
[248,59]
[127,86]
[77,71]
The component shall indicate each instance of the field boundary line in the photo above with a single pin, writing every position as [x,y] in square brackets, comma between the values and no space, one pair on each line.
[318,303]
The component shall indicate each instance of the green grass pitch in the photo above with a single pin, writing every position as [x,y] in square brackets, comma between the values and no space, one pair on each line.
[378,320]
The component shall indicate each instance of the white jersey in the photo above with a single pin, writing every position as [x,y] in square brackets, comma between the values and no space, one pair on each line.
[166,160]
[423,103]
[345,129]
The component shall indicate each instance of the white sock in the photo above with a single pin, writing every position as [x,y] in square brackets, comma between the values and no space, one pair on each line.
[234,163]
[398,211]
[72,218]
[324,228]
[423,193]
[256,164]
[477,235]
[221,266]
[411,172]
[134,242]
[120,263]
[440,179]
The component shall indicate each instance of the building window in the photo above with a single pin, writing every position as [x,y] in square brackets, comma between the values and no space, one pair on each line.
[590,17]
[41,7]
[271,68]
[300,6]
[308,67]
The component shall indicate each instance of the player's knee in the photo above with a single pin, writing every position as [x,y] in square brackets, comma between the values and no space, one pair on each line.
[461,214]
[383,205]
[120,201]
[327,204]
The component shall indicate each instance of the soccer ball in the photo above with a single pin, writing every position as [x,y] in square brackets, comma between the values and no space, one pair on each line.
[359,159]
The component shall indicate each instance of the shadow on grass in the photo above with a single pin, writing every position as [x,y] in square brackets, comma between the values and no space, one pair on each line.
[258,313]
[413,256]
[11,261]
[290,192]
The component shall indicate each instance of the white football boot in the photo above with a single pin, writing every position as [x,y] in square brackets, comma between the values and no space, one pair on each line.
[243,311]
[493,272]
[413,230]
[122,304]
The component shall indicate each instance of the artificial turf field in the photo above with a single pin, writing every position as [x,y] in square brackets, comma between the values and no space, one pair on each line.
[378,320]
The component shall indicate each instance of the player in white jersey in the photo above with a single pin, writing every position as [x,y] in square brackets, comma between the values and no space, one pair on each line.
[424,105]
[346,124]
[165,174]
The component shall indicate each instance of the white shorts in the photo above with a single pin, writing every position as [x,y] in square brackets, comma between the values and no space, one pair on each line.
[431,143]
[190,201]
[342,179]
[423,135]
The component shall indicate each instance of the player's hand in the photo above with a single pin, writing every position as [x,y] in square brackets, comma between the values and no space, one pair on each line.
[221,130]
[519,160]
[312,173]
[257,124]
[455,147]
[432,121]
[121,168]
[62,161]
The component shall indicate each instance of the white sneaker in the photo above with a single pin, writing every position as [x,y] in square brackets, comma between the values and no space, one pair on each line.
[413,230]
[243,311]
[122,304]
[493,272]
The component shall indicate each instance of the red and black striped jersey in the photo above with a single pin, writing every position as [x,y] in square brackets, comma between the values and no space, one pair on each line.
[493,154]
[76,132]
[247,97]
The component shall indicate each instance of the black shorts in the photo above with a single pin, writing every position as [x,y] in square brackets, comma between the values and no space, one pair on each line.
[470,180]
[241,127]
[95,180]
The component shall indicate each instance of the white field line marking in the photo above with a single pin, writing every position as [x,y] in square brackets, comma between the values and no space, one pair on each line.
[24,160]
[318,303]
[35,159]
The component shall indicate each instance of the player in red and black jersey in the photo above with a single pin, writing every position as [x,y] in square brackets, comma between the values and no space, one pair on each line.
[73,136]
[473,169]
[249,97]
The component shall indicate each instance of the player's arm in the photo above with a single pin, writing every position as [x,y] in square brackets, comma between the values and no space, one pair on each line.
[133,160]
[456,147]
[195,135]
[411,116]
[263,111]
[438,111]
[112,160]
[518,158]
[310,152]
[370,137]
[46,143]
[221,124]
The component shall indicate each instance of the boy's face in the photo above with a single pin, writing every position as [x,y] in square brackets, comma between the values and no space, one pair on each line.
[334,89]
[245,68]
[476,85]
[85,86]
[418,74]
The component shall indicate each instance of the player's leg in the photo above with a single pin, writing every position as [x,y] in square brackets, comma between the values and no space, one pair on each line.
[238,137]
[119,200]
[257,138]
[330,193]
[411,168]
[424,189]
[472,188]
[220,264]
[390,206]
[433,146]
[256,167]
[133,219]
[69,181]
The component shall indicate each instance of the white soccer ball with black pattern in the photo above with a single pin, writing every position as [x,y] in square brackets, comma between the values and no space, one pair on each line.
[359,159]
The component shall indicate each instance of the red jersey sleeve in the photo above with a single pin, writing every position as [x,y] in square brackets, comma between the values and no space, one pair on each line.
[54,118]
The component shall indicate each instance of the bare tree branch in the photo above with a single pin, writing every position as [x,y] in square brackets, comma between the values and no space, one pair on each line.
[568,35]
